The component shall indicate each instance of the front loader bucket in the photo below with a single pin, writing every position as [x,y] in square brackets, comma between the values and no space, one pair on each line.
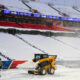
[33,72]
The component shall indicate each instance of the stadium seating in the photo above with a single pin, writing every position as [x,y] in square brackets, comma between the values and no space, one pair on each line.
[15,5]
[68,10]
[43,8]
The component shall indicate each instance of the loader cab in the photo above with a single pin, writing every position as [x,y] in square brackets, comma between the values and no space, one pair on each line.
[39,56]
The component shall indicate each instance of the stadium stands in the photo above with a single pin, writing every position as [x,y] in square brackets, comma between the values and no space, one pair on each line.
[43,8]
[15,5]
[67,15]
[76,8]
[68,10]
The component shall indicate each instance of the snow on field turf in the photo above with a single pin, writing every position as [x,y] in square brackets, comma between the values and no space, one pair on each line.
[15,48]
[62,73]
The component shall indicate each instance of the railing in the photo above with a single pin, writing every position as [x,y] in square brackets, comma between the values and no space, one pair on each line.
[1,54]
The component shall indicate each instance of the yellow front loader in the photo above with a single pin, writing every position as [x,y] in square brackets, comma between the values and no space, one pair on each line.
[45,64]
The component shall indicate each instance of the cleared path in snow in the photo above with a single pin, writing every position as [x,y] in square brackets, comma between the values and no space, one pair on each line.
[62,73]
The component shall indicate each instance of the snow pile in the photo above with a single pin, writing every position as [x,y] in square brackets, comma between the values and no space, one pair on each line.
[62,73]
[27,65]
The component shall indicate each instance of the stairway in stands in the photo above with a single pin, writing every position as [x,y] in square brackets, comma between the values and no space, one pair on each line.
[30,8]
[59,12]
[76,8]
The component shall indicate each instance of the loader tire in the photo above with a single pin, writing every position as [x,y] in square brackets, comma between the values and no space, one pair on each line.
[51,70]
[43,71]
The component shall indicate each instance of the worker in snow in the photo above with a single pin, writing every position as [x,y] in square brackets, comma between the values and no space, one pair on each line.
[0,63]
[0,66]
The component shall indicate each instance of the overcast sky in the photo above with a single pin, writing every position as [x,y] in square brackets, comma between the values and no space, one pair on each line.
[66,2]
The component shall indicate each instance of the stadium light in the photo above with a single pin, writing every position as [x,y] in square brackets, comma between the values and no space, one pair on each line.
[36,15]
[17,13]
[70,19]
[76,19]
[57,17]
[21,13]
[54,17]
[29,14]
[25,14]
[43,16]
[49,16]
[6,11]
[13,12]
[63,18]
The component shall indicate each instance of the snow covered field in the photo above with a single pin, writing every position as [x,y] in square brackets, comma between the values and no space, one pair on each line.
[62,73]
[67,48]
